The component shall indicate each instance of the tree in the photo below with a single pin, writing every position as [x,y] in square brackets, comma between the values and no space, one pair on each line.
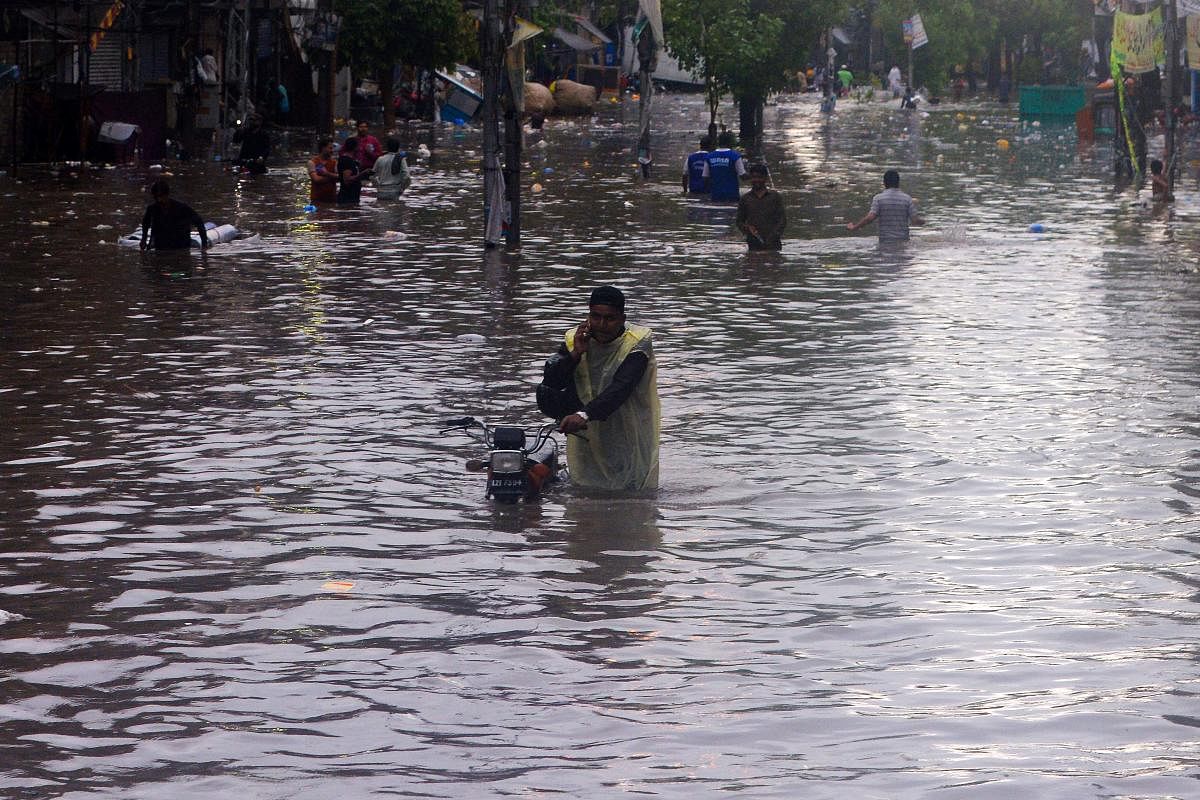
[959,31]
[376,35]
[709,37]
[966,31]
[749,47]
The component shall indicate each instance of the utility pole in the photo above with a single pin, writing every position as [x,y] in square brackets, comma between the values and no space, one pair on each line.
[647,52]
[911,87]
[326,87]
[514,107]
[1171,32]
[492,52]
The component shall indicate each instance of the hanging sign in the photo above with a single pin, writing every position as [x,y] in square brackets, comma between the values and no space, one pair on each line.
[110,17]
[1193,42]
[1137,43]
[906,27]
[919,39]
[524,30]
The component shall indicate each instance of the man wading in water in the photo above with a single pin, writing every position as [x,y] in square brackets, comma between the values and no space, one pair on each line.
[893,208]
[167,223]
[760,215]
[602,384]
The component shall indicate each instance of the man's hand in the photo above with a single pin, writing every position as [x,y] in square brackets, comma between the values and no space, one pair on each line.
[572,423]
[582,339]
[851,226]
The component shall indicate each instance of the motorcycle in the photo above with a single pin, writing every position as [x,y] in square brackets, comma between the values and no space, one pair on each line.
[514,471]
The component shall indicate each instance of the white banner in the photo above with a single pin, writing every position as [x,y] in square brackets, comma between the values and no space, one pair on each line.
[918,32]
[653,11]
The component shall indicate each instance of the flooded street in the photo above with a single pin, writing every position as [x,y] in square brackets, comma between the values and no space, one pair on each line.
[927,522]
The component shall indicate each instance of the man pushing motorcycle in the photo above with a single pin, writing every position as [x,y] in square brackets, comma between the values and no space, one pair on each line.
[603,379]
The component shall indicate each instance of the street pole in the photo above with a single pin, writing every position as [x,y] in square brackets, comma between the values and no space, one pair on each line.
[85,74]
[911,87]
[1172,48]
[514,107]
[647,52]
[493,58]
[325,85]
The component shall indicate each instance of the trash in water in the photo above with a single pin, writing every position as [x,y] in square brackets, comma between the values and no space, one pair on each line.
[41,223]
[536,188]
[1037,227]
[338,586]
[103,227]
[472,338]
[310,208]
[393,236]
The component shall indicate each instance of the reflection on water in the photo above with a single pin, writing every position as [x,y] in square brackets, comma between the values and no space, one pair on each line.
[925,524]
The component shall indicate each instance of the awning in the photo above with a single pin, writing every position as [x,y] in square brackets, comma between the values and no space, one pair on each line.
[574,41]
[456,83]
[587,25]
[66,23]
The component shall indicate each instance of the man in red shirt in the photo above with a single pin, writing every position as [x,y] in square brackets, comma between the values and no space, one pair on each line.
[369,148]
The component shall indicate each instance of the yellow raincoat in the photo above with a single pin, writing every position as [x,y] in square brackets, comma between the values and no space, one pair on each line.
[621,452]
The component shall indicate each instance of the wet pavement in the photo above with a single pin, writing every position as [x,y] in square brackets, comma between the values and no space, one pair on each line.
[927,523]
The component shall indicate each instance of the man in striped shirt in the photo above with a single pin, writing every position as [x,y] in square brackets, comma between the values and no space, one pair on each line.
[893,208]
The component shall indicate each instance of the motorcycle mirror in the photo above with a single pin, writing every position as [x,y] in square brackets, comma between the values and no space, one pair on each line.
[475,465]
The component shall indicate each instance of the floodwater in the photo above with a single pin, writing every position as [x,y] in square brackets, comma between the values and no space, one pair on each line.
[927,525]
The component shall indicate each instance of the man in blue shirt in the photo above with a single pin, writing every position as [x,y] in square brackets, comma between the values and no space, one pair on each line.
[725,168]
[694,169]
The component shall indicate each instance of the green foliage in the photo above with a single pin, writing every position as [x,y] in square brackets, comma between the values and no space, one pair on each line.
[378,34]
[966,31]
[748,47]
[958,30]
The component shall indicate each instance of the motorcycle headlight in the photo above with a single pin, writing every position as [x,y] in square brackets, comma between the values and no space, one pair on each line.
[508,461]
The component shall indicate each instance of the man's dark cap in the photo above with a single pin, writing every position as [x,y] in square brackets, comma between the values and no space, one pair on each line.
[759,169]
[607,296]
